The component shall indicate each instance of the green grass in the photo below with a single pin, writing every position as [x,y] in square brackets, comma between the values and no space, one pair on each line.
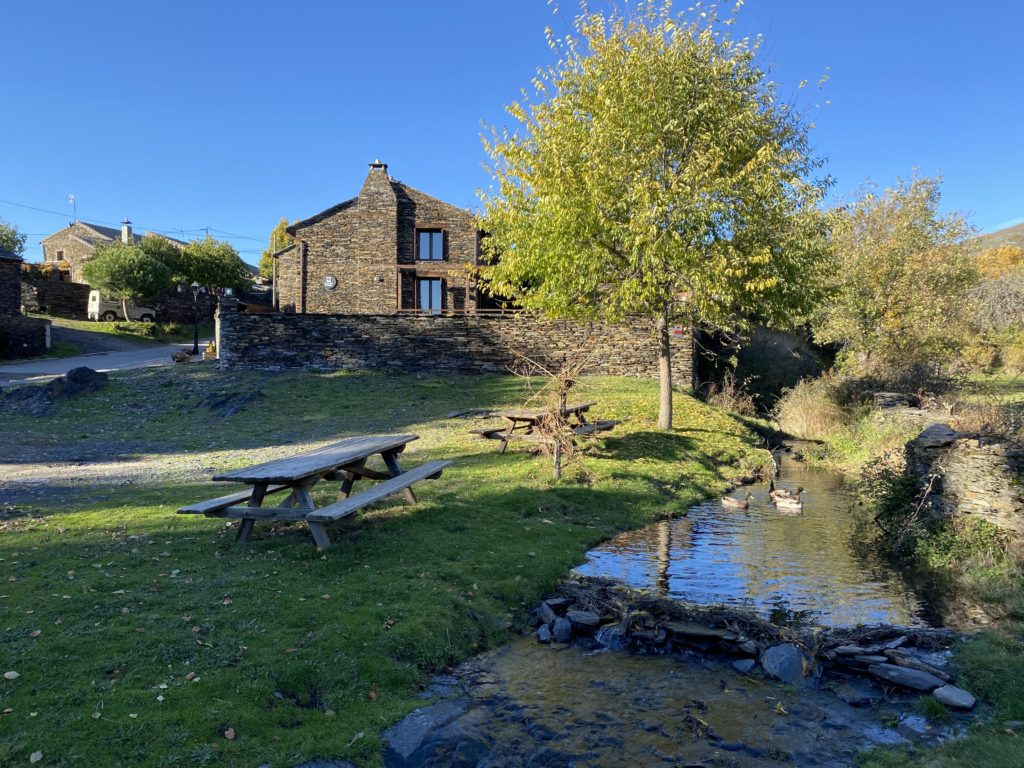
[302,653]
[164,333]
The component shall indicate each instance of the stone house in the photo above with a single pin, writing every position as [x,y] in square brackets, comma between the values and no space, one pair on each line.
[383,282]
[67,250]
[390,250]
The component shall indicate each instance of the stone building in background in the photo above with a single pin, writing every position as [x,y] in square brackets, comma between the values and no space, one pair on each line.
[67,250]
[390,250]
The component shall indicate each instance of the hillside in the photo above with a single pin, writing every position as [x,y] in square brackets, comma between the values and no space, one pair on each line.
[1007,236]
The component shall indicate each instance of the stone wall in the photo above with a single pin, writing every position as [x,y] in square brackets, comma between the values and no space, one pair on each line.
[10,292]
[177,307]
[64,299]
[441,344]
[54,297]
[23,337]
[972,475]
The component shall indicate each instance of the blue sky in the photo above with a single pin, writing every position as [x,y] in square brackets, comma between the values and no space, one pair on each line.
[190,114]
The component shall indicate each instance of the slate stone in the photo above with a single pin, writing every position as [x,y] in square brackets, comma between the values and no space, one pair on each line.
[557,604]
[562,630]
[904,677]
[326,764]
[749,647]
[850,650]
[546,614]
[784,662]
[544,634]
[586,621]
[954,697]
[871,659]
[904,659]
[698,630]
[743,665]
[76,382]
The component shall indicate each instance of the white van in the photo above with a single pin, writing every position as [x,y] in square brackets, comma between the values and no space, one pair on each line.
[109,310]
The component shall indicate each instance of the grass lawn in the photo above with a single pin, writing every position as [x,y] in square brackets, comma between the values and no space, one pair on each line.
[141,637]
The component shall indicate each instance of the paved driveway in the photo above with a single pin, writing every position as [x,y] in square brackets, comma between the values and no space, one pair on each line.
[41,370]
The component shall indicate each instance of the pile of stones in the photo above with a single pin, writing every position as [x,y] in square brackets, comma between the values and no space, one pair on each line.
[593,613]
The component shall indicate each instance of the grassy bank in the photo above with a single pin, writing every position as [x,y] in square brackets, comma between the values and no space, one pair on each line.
[145,638]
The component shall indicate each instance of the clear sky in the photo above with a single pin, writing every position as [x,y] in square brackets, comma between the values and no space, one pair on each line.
[190,114]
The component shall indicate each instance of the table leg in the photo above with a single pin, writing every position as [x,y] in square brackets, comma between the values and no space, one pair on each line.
[255,500]
[391,460]
[508,434]
[348,482]
[304,500]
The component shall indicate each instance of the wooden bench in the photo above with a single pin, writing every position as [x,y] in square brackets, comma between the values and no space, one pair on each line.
[344,507]
[595,426]
[211,507]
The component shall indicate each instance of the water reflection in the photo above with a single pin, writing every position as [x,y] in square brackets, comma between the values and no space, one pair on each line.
[793,568]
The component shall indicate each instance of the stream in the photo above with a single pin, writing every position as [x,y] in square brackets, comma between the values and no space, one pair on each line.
[814,568]
[586,706]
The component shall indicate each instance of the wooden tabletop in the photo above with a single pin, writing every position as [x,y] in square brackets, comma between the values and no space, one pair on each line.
[527,414]
[295,468]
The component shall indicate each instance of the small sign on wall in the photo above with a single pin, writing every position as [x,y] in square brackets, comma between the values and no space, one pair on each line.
[678,331]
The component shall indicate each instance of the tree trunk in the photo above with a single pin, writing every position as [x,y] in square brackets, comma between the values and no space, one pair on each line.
[664,372]
[124,308]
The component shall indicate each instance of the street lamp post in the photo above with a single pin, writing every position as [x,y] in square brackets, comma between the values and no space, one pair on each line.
[195,318]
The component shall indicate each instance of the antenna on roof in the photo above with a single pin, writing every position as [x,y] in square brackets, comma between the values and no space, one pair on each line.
[71,199]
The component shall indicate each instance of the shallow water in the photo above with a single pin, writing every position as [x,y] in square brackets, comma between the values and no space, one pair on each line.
[808,568]
[533,705]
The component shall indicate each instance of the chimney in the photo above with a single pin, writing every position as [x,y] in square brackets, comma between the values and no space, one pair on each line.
[126,232]
[378,167]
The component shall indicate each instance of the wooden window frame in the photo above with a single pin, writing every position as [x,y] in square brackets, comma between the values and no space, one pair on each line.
[431,230]
[418,281]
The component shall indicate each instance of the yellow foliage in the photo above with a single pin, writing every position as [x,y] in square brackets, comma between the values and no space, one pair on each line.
[995,262]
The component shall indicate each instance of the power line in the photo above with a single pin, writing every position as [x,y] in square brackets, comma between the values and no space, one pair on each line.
[159,230]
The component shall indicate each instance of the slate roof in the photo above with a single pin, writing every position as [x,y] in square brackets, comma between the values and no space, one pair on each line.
[9,255]
[113,233]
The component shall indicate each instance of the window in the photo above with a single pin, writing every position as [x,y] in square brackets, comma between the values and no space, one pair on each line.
[428,295]
[60,255]
[430,244]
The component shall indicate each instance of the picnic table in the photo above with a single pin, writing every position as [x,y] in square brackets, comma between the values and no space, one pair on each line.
[526,423]
[343,461]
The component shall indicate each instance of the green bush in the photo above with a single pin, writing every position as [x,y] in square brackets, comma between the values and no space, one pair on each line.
[138,328]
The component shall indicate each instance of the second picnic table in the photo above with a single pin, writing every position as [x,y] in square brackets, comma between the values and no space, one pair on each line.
[524,424]
[343,461]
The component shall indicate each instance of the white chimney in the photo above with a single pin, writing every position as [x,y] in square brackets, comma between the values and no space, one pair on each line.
[126,232]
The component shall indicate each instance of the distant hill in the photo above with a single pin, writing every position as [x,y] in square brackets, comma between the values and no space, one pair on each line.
[1009,236]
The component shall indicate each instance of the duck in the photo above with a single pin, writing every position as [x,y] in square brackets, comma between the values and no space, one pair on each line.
[776,494]
[734,503]
[789,504]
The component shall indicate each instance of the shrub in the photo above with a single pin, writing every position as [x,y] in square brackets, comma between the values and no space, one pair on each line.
[137,328]
[731,395]
[810,409]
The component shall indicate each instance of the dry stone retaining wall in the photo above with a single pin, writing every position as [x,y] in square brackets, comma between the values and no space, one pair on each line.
[23,336]
[55,297]
[437,344]
[972,475]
